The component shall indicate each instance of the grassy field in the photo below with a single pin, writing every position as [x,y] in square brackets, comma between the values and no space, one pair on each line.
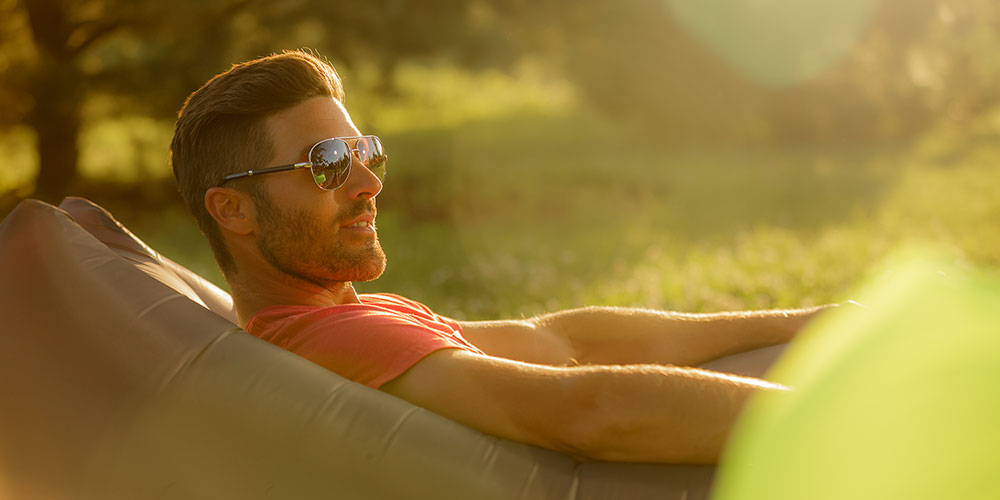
[522,203]
[516,216]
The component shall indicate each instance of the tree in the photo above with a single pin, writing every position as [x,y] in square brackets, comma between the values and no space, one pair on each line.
[783,71]
[148,55]
[642,61]
[60,53]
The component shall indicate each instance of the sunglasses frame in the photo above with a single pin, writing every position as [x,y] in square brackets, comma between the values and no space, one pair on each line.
[308,164]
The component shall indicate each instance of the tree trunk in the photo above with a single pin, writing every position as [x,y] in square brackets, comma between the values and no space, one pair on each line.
[55,118]
[56,93]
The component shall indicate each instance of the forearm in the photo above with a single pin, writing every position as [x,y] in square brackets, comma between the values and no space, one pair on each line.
[636,336]
[634,413]
[653,413]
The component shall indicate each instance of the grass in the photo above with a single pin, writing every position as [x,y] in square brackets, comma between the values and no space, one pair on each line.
[522,204]
[487,229]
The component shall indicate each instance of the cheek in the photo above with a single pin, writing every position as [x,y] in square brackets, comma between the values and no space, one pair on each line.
[317,216]
[321,230]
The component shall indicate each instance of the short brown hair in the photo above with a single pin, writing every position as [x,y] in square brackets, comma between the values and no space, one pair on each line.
[221,128]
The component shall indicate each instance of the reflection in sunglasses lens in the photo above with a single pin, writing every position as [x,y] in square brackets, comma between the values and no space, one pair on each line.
[364,149]
[377,166]
[331,163]
[376,158]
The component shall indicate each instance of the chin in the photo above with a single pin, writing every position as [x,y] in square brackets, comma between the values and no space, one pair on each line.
[374,274]
[368,268]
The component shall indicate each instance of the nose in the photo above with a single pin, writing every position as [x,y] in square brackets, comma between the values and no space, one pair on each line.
[361,182]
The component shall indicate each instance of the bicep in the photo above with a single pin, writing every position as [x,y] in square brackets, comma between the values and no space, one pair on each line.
[508,399]
[520,340]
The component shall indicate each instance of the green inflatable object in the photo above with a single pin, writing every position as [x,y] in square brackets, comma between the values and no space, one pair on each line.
[898,399]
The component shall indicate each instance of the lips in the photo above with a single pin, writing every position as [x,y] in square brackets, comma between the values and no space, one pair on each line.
[363,220]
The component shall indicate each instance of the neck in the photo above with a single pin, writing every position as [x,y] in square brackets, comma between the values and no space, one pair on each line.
[253,292]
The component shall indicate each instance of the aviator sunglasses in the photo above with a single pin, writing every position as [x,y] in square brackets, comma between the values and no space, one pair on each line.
[330,161]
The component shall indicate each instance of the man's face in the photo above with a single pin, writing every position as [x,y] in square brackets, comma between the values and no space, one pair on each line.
[304,231]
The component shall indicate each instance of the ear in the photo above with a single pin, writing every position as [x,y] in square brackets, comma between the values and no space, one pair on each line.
[232,209]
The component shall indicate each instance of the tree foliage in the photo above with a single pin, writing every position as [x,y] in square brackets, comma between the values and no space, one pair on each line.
[148,55]
[907,65]
[706,71]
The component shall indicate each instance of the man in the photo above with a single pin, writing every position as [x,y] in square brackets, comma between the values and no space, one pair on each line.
[283,184]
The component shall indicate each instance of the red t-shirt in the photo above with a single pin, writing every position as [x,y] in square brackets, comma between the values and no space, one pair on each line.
[372,342]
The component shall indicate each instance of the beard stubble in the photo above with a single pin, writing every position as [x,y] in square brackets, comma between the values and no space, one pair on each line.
[302,246]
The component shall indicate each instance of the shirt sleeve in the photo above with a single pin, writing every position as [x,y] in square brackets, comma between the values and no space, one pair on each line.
[369,347]
[400,301]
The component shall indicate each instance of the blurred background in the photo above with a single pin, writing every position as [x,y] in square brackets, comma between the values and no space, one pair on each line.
[697,156]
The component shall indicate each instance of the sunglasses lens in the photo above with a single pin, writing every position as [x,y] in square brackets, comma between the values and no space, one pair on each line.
[331,163]
[372,156]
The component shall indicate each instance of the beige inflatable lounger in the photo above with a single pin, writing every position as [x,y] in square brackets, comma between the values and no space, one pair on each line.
[123,376]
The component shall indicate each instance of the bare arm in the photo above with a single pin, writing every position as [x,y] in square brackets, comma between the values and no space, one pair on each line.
[607,335]
[645,413]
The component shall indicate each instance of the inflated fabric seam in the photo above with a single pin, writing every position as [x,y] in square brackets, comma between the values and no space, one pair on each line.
[161,262]
[101,259]
[190,361]
[111,261]
[132,257]
[332,394]
[574,487]
[180,286]
[391,435]
[152,306]
[491,455]
[526,487]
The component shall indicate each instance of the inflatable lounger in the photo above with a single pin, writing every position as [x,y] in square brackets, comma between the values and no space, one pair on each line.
[124,376]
